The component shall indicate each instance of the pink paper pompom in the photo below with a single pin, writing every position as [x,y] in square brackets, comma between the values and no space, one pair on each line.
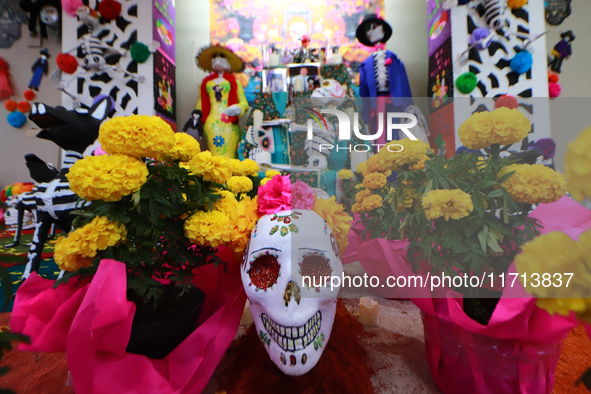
[554,89]
[302,196]
[99,151]
[71,6]
[507,102]
[275,195]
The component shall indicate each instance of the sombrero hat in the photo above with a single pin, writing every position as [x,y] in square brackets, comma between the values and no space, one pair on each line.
[204,56]
[364,26]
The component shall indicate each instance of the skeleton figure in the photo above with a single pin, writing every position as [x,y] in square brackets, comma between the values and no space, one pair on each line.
[293,318]
[94,53]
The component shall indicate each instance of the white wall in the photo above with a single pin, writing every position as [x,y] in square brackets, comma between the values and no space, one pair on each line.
[15,143]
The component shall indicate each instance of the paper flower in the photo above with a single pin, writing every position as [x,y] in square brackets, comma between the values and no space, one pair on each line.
[275,195]
[302,195]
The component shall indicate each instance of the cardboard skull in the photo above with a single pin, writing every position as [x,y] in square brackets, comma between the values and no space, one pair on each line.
[293,321]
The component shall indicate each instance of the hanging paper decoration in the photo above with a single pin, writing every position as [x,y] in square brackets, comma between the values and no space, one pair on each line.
[522,62]
[554,89]
[67,63]
[16,119]
[481,38]
[507,102]
[10,105]
[23,106]
[29,95]
[466,83]
[5,90]
[70,6]
[140,52]
[109,9]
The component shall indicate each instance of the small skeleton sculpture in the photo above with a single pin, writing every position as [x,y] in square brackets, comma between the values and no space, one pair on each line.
[95,54]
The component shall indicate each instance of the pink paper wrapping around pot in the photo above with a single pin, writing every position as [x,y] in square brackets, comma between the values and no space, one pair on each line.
[93,324]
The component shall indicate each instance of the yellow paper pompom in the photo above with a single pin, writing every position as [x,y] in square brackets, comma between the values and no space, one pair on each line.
[577,166]
[448,204]
[137,135]
[209,228]
[345,174]
[239,184]
[375,180]
[107,177]
[533,183]
[336,218]
[186,147]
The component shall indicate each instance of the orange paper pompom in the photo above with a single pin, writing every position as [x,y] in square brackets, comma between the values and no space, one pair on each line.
[29,94]
[23,106]
[10,105]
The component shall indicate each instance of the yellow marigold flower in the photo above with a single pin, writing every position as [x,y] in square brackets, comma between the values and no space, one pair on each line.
[357,207]
[227,204]
[239,184]
[557,253]
[407,200]
[412,153]
[577,166]
[533,183]
[372,202]
[449,204]
[375,180]
[82,244]
[243,218]
[245,167]
[359,186]
[502,126]
[421,164]
[208,228]
[336,218]
[185,148]
[265,180]
[107,177]
[201,163]
[375,164]
[360,196]
[345,174]
[220,171]
[361,168]
[271,173]
[137,136]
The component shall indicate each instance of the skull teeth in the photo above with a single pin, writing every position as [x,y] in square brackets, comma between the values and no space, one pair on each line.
[293,338]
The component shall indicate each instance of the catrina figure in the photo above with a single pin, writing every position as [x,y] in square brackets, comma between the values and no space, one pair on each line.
[48,12]
[39,69]
[221,99]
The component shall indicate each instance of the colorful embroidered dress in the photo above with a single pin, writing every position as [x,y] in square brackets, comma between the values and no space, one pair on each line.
[222,132]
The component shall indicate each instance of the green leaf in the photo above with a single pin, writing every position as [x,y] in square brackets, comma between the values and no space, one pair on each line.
[505,177]
[478,205]
[428,187]
[483,237]
[493,244]
[495,193]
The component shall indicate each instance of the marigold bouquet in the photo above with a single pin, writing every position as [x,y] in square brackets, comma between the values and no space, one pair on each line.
[464,215]
[158,204]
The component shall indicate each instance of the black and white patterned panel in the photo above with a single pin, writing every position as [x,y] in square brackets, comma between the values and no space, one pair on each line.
[118,34]
[492,65]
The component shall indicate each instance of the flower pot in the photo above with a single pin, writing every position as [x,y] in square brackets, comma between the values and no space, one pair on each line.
[156,341]
[463,361]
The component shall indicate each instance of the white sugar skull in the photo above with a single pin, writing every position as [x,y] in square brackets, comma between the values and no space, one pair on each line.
[330,92]
[293,319]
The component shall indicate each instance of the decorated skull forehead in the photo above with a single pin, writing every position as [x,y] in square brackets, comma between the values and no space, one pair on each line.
[293,318]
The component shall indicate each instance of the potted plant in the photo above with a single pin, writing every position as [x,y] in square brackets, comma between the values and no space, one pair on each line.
[472,217]
[156,212]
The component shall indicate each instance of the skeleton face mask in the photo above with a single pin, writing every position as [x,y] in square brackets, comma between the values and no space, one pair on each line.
[293,318]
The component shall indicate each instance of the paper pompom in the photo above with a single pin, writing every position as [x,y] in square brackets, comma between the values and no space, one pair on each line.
[507,102]
[29,95]
[10,105]
[554,90]
[522,62]
[553,78]
[71,6]
[109,9]
[67,63]
[140,52]
[23,106]
[16,119]
[516,3]
[466,83]
[479,36]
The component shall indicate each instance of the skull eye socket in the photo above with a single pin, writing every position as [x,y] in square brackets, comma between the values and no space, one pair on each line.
[264,271]
[316,268]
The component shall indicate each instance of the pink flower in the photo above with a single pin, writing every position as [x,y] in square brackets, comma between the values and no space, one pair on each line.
[275,195]
[225,118]
[302,196]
